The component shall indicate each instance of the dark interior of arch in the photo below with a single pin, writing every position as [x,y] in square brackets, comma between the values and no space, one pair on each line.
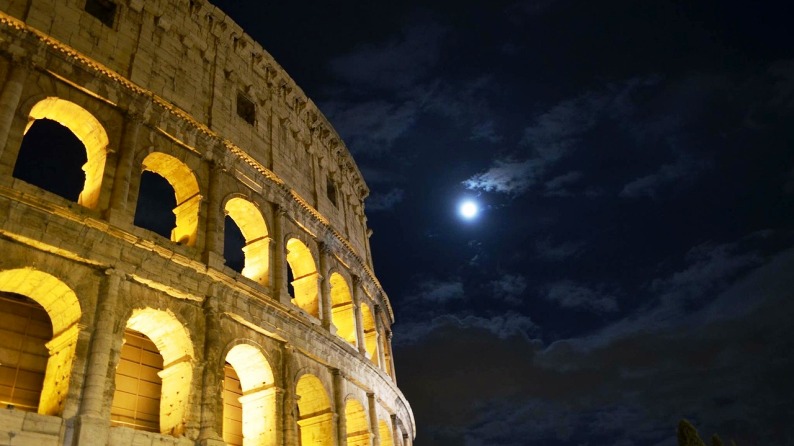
[156,202]
[290,278]
[52,157]
[233,243]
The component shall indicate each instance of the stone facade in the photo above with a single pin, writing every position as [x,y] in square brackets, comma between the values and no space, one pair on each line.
[176,88]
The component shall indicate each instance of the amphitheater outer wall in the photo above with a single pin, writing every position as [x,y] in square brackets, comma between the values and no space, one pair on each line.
[168,105]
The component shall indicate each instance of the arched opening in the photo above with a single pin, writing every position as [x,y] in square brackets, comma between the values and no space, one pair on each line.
[154,210]
[51,157]
[168,340]
[385,433]
[249,398]
[49,151]
[232,407]
[357,424]
[370,333]
[24,333]
[44,373]
[233,245]
[315,420]
[257,244]
[136,401]
[304,271]
[185,189]
[342,312]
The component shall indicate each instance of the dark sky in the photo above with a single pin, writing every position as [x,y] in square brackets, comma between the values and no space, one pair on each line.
[633,263]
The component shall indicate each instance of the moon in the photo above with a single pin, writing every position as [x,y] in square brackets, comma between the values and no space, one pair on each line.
[468,209]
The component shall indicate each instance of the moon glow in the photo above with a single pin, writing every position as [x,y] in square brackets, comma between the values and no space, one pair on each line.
[468,209]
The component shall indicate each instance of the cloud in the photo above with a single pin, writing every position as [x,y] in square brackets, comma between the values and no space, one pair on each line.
[711,267]
[373,126]
[399,62]
[510,288]
[507,176]
[557,186]
[569,294]
[551,137]
[683,169]
[546,249]
[503,326]
[683,297]
[485,131]
[728,372]
[437,291]
[384,202]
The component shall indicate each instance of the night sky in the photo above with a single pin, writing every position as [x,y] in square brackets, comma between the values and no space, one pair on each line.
[633,261]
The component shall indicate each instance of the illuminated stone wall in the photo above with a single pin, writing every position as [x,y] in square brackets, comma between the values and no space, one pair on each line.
[174,87]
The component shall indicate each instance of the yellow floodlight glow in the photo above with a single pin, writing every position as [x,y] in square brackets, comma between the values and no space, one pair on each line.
[257,244]
[89,131]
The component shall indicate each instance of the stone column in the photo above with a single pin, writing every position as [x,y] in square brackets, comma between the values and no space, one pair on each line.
[373,419]
[117,211]
[279,257]
[324,288]
[211,389]
[10,96]
[379,336]
[101,344]
[362,347]
[94,409]
[290,407]
[213,246]
[339,403]
[395,432]
[315,176]
[278,417]
[392,369]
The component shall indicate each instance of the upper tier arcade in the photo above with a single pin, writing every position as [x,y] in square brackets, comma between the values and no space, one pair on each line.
[125,319]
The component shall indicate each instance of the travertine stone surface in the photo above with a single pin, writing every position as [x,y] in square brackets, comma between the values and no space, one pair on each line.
[161,90]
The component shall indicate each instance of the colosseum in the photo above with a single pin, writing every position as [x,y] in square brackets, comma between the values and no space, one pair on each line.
[115,331]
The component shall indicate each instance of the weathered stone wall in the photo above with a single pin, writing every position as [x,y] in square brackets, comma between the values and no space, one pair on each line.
[162,83]
[196,58]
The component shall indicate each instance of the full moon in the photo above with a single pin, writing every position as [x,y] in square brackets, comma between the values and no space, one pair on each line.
[468,209]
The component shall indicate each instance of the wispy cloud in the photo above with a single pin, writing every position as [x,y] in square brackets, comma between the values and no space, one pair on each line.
[485,131]
[558,186]
[372,126]
[503,326]
[400,62]
[509,288]
[572,295]
[437,291]
[507,176]
[547,249]
[384,201]
[683,169]
[551,137]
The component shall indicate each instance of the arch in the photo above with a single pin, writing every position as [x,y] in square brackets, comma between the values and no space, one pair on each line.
[385,433]
[304,271]
[357,424]
[257,423]
[173,343]
[342,310]
[315,420]
[88,130]
[257,244]
[370,332]
[63,308]
[186,191]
